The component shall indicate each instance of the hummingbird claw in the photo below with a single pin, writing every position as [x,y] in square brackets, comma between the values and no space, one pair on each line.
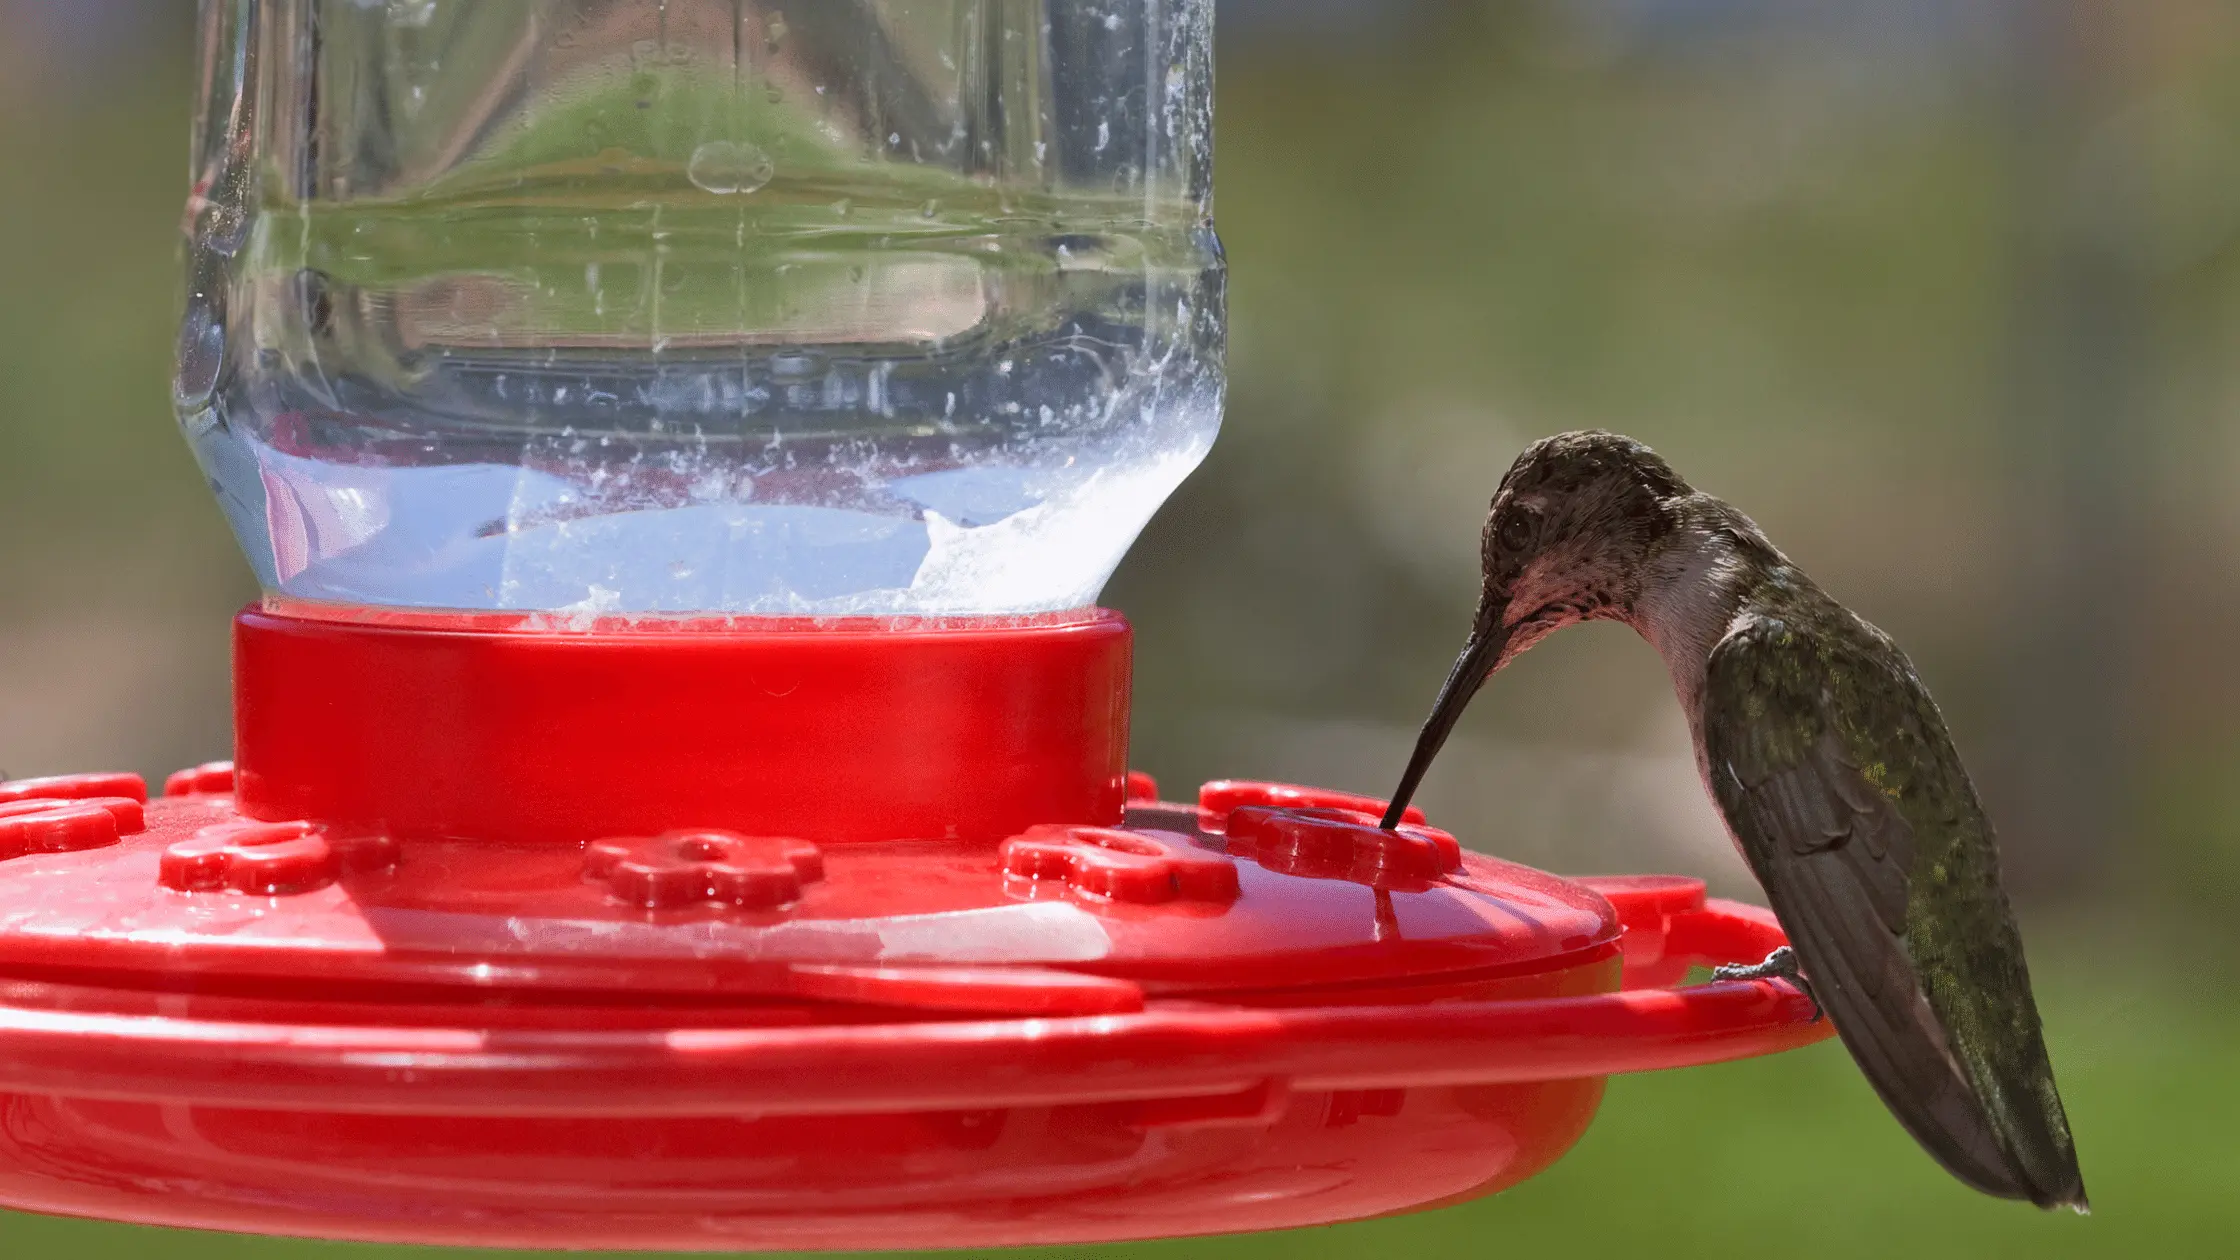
[1781,964]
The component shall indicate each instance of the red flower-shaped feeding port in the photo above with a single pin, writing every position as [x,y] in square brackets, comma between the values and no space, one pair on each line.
[270,859]
[66,826]
[211,778]
[684,868]
[74,787]
[69,813]
[1342,844]
[1218,799]
[1143,867]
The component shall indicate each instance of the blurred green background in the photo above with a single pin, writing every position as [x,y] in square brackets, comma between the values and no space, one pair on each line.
[1945,294]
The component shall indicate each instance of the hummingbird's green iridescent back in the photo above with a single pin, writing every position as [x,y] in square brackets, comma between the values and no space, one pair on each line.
[1836,774]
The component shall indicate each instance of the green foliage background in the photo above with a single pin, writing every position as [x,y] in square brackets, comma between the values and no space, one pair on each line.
[1789,262]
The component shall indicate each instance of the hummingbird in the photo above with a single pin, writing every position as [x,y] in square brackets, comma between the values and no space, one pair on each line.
[1833,771]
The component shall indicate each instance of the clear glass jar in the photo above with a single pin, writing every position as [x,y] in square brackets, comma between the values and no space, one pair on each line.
[821,307]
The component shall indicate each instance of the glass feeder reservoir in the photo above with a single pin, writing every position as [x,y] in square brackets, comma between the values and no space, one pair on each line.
[696,306]
[680,795]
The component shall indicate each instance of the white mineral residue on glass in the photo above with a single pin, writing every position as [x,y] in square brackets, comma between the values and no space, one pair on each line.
[1057,554]
[989,537]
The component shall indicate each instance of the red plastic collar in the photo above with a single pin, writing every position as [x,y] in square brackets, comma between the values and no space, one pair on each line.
[519,732]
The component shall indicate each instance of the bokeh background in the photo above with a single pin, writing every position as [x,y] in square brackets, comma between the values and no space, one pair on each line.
[1945,292]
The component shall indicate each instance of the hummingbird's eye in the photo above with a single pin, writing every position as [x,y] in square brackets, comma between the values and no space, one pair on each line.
[1516,531]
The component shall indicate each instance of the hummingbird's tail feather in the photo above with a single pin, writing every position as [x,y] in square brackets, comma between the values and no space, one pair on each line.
[1863,980]
[1880,865]
[2020,1096]
[1993,1122]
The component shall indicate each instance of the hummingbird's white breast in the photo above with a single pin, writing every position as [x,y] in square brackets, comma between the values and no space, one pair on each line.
[1690,594]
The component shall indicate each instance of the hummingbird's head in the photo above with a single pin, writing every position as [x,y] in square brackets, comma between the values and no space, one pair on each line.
[1574,523]
[1571,531]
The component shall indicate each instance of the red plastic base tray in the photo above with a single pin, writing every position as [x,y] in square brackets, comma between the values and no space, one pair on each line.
[527,1057]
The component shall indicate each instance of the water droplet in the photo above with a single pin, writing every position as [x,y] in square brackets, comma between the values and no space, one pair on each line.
[930,209]
[730,166]
[774,93]
[202,350]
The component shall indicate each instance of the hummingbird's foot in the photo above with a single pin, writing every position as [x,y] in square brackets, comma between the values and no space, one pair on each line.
[1781,964]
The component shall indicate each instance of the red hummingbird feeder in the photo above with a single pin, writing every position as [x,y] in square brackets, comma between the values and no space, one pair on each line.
[926,969]
[680,796]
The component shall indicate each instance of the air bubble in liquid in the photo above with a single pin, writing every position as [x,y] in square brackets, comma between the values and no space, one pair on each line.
[730,166]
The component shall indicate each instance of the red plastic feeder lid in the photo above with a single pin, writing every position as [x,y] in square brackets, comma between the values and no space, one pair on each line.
[472,801]
[1297,923]
[433,808]
[1176,900]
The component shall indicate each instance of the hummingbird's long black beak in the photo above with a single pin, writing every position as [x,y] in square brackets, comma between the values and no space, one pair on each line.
[1469,674]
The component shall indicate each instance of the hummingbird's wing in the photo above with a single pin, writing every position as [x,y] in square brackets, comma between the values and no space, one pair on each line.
[1837,777]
